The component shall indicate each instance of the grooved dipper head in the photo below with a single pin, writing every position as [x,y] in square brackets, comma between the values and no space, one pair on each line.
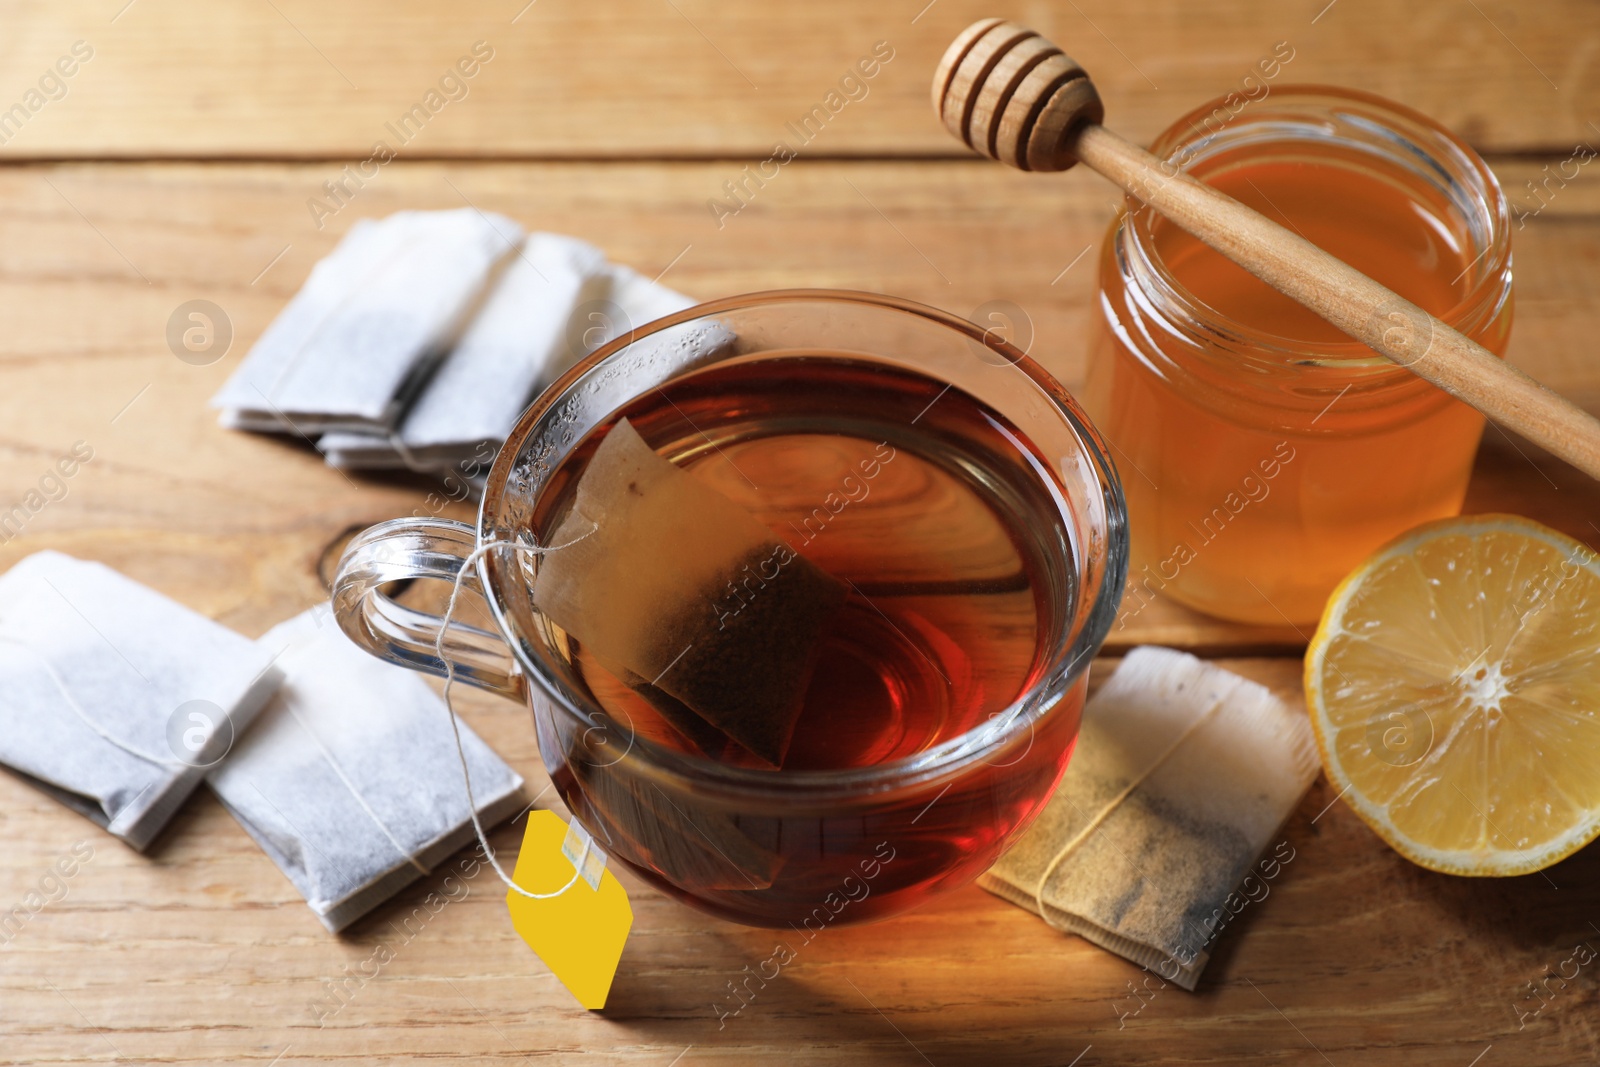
[1013,96]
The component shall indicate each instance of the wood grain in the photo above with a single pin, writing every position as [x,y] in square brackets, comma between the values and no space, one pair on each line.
[95,257]
[293,78]
[202,953]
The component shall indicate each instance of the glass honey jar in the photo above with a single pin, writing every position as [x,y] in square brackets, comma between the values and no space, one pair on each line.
[1263,452]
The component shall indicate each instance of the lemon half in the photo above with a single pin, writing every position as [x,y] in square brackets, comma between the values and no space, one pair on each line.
[1454,688]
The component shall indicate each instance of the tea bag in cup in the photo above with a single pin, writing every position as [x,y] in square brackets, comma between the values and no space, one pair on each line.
[365,331]
[350,779]
[117,699]
[1182,775]
[520,340]
[673,586]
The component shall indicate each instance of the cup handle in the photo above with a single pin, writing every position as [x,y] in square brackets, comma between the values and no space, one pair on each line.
[402,549]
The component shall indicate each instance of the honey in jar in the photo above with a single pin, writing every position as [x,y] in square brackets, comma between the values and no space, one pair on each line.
[1263,452]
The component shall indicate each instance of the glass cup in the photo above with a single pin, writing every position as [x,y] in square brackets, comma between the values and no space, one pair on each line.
[1260,469]
[775,848]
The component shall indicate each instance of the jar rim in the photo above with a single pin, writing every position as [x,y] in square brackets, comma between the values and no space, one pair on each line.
[1393,134]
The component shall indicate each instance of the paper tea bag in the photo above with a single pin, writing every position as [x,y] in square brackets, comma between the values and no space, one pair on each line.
[634,301]
[1182,775]
[362,335]
[668,580]
[117,700]
[520,341]
[349,779]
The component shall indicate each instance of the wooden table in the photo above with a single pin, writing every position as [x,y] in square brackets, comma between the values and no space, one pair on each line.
[179,165]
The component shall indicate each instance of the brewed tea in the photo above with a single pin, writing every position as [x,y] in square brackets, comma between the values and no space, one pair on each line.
[930,511]
[942,619]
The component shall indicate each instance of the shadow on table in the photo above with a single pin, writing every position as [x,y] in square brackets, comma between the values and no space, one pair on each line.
[884,993]
[1549,911]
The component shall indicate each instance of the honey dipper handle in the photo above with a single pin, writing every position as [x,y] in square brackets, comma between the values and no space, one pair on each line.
[1350,300]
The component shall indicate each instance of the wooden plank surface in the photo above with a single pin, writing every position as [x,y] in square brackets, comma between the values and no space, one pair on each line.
[201,952]
[652,78]
[95,258]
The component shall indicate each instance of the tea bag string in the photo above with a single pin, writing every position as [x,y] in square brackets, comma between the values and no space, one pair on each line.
[77,709]
[407,457]
[1094,824]
[288,700]
[455,723]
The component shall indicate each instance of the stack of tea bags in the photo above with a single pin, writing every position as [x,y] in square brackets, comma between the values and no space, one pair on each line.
[120,701]
[358,340]
[421,338]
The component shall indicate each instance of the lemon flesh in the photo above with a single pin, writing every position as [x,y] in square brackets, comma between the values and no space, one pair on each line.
[1454,689]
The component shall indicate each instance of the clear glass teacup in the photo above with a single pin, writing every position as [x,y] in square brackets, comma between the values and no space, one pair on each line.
[913,790]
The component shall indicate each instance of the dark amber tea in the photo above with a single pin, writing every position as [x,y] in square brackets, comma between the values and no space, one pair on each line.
[925,510]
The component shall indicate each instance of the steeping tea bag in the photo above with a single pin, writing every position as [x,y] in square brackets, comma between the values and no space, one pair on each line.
[350,779]
[521,340]
[117,700]
[1182,775]
[687,596]
[366,329]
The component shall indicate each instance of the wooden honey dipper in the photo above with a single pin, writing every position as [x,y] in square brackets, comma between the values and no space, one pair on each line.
[1013,96]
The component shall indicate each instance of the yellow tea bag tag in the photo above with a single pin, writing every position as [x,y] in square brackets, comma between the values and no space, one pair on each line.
[579,932]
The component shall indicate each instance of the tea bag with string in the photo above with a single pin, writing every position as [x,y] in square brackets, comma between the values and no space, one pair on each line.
[580,934]
[350,779]
[117,699]
[687,597]
[366,330]
[1182,775]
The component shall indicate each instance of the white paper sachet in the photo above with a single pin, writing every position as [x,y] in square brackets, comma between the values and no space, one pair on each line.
[1183,773]
[519,342]
[370,322]
[117,699]
[635,301]
[350,779]
[632,302]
